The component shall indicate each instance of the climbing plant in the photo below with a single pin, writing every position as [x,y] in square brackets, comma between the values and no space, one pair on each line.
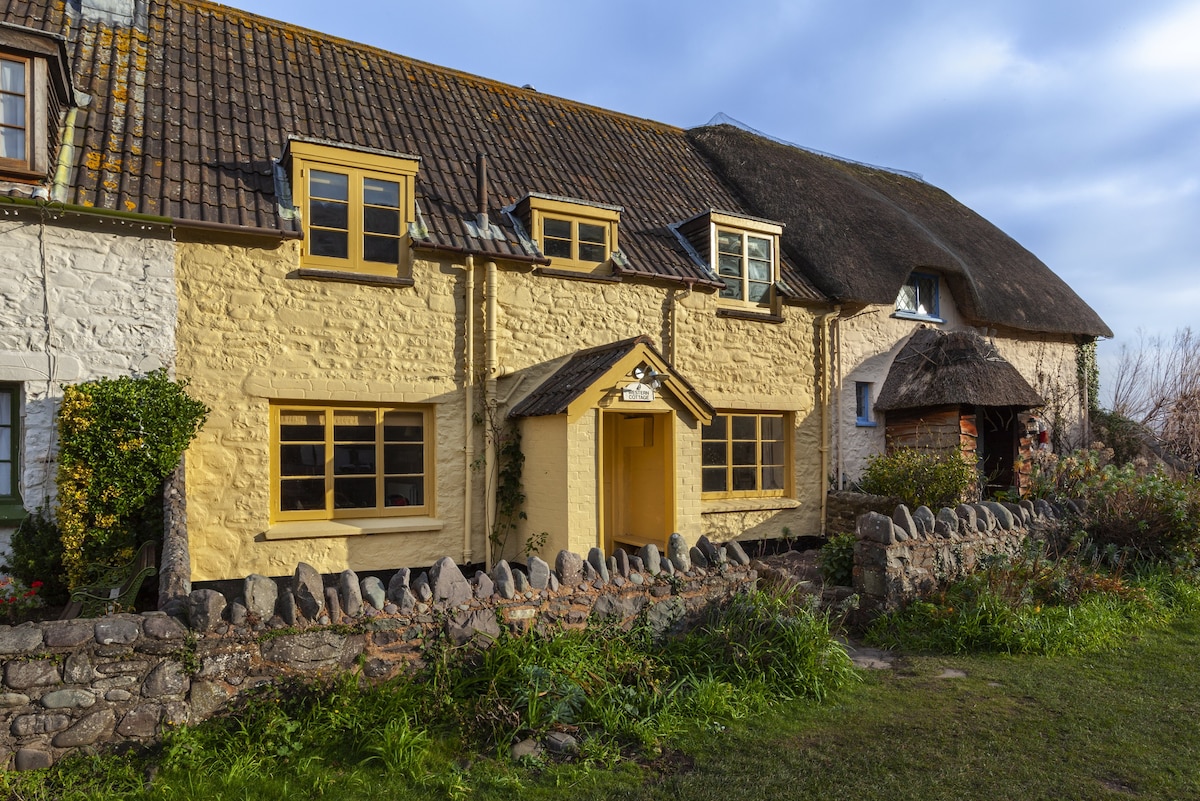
[119,439]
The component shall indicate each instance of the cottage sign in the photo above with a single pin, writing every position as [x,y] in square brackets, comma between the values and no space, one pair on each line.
[640,393]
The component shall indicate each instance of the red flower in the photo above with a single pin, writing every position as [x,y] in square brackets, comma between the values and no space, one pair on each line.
[36,584]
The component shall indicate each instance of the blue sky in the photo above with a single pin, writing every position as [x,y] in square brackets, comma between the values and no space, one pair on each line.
[1074,126]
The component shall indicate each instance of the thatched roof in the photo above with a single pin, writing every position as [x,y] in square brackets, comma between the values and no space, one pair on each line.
[858,232]
[936,368]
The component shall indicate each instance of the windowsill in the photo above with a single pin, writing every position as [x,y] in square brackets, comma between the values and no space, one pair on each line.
[351,527]
[925,318]
[348,277]
[725,505]
[12,513]
[747,314]
[577,275]
[865,423]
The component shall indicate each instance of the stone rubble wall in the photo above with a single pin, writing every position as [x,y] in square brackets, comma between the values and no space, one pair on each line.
[124,678]
[907,555]
[844,508]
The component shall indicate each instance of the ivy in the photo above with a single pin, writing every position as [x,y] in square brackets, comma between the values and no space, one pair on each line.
[119,439]
[1088,373]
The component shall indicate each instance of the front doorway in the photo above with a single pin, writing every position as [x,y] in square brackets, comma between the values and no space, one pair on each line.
[998,440]
[638,480]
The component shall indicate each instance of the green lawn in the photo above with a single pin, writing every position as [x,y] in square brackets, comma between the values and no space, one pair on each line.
[1121,725]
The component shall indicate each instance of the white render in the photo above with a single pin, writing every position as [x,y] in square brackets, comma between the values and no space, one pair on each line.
[80,298]
[866,342]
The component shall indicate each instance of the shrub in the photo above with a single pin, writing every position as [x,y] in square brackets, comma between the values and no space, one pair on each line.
[119,440]
[36,555]
[837,560]
[920,478]
[1152,515]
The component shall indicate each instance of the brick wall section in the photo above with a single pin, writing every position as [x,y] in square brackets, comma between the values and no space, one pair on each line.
[908,554]
[125,678]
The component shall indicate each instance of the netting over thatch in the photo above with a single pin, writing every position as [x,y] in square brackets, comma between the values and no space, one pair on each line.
[936,368]
[858,232]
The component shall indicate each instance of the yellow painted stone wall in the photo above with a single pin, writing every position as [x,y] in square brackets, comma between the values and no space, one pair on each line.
[867,341]
[250,332]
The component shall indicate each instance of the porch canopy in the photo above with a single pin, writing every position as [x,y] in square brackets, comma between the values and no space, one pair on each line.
[957,368]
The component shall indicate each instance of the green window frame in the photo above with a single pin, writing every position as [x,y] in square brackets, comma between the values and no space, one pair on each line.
[11,507]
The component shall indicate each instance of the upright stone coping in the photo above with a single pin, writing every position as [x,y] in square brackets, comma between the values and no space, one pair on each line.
[909,554]
[125,678]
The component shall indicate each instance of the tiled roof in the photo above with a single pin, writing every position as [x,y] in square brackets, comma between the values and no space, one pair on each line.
[579,372]
[189,113]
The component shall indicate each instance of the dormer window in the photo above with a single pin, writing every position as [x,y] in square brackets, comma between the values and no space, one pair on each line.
[918,298]
[742,251]
[14,112]
[34,88]
[746,264]
[576,235]
[355,205]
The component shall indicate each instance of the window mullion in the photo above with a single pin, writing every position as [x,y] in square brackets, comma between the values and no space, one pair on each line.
[329,460]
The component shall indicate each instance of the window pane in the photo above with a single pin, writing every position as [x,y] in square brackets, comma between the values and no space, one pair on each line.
[333,244]
[404,491]
[301,460]
[557,248]
[772,427]
[353,460]
[714,453]
[592,252]
[925,289]
[759,270]
[759,292]
[381,193]
[745,478]
[329,214]
[758,248]
[772,453]
[559,229]
[12,143]
[733,288]
[6,481]
[404,459]
[715,429]
[354,426]
[6,399]
[907,299]
[12,110]
[6,443]
[714,480]
[353,493]
[329,185]
[745,453]
[385,249]
[730,265]
[12,76]
[592,233]
[302,494]
[403,427]
[745,427]
[772,478]
[729,243]
[381,221]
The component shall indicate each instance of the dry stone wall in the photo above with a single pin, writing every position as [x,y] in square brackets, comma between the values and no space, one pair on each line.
[124,678]
[910,554]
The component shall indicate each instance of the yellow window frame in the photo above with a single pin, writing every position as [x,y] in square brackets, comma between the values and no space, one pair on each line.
[358,167]
[328,475]
[745,228]
[736,466]
[607,218]
[24,162]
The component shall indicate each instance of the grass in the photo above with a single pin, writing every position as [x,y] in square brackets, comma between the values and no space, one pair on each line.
[1116,724]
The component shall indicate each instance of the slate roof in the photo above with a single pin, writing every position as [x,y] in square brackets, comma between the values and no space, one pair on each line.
[936,368]
[579,372]
[857,232]
[189,113]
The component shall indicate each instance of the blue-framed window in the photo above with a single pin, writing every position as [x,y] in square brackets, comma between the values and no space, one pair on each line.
[862,404]
[919,297]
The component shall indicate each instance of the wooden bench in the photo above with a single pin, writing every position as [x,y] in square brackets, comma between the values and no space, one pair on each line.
[113,589]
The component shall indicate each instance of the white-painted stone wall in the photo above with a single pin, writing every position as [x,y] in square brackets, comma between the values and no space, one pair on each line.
[868,341]
[109,291]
